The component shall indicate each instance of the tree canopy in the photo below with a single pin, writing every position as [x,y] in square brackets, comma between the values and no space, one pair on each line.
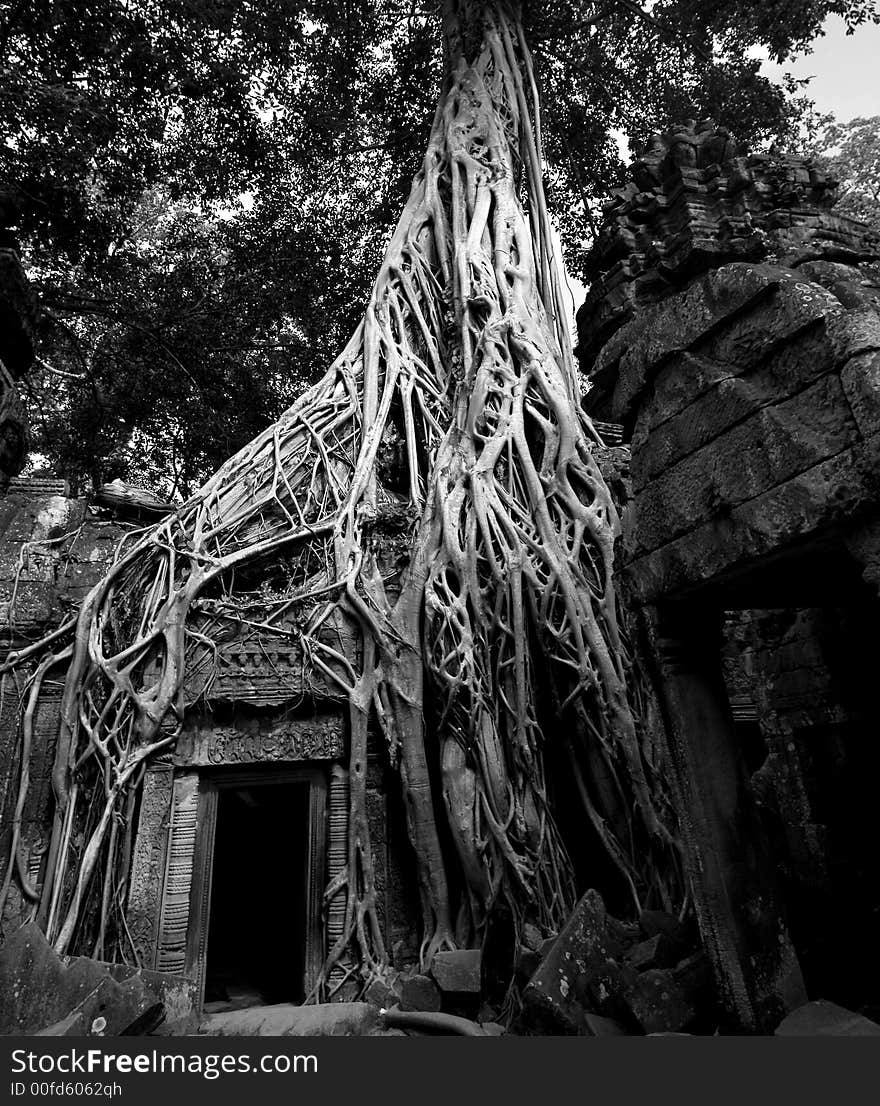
[851,153]
[206,188]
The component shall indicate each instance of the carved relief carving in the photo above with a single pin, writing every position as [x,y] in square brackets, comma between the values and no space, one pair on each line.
[148,863]
[298,739]
[265,670]
[174,924]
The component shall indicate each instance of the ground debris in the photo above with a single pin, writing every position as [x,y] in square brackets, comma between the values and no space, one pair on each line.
[602,975]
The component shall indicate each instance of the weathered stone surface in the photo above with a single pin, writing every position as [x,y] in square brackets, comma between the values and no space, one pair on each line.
[527,961]
[148,861]
[418,992]
[581,946]
[47,579]
[632,358]
[603,989]
[657,1002]
[729,399]
[826,1019]
[825,495]
[40,990]
[860,377]
[661,923]
[458,970]
[773,446]
[262,669]
[381,995]
[331,1019]
[656,952]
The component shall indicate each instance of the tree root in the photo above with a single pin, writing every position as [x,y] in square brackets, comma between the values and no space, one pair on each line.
[434,499]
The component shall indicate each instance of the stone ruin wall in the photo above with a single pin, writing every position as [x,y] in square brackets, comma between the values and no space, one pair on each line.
[53,549]
[733,327]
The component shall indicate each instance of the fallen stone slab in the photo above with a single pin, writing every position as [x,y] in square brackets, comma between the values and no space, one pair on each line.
[458,971]
[328,1019]
[826,1019]
[552,997]
[603,990]
[73,996]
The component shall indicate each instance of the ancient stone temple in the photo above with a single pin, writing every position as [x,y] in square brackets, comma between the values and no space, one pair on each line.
[239,829]
[731,338]
[733,328]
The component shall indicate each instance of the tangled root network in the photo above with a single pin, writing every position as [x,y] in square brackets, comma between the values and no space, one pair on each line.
[443,537]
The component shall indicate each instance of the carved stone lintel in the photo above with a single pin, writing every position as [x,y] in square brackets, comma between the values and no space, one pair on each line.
[321,738]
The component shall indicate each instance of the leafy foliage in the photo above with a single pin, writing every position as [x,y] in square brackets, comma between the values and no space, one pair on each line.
[206,187]
[851,154]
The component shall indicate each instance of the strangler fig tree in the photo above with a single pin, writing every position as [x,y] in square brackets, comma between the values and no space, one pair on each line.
[446,540]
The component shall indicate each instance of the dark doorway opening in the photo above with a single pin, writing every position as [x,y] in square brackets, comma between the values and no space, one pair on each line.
[259,916]
[811,756]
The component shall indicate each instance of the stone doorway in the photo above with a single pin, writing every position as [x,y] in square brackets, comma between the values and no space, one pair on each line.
[259,870]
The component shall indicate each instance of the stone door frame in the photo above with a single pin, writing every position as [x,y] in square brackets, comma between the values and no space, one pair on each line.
[211,782]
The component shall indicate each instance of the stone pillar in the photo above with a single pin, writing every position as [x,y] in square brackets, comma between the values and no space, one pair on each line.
[337,859]
[149,861]
[726,854]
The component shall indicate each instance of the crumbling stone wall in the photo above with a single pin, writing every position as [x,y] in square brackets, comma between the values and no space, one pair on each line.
[733,328]
[53,549]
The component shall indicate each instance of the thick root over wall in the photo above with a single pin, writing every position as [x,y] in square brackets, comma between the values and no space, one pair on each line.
[446,538]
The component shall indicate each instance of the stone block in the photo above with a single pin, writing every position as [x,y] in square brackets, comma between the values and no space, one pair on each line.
[582,945]
[418,992]
[720,396]
[381,995]
[826,494]
[678,323]
[527,961]
[826,1019]
[458,971]
[531,936]
[776,444]
[604,1027]
[658,1003]
[40,990]
[661,923]
[603,989]
[329,1019]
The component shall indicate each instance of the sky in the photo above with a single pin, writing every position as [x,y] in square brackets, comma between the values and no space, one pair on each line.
[844,69]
